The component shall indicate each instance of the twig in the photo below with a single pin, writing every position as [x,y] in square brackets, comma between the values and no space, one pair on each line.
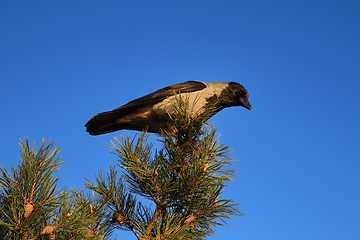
[153,219]
[34,182]
[18,188]
[193,216]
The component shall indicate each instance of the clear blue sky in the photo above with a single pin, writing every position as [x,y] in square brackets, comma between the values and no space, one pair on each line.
[61,62]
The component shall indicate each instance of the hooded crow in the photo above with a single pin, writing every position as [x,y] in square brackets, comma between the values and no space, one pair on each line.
[152,111]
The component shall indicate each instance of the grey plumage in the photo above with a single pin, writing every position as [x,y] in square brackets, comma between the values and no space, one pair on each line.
[152,111]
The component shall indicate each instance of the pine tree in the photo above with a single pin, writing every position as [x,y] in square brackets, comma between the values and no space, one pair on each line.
[31,205]
[184,180]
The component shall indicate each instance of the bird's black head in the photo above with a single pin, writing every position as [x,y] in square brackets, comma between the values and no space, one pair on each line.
[240,95]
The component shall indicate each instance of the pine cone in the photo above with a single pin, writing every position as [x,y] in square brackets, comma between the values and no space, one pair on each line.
[190,219]
[205,168]
[47,230]
[29,207]
[119,218]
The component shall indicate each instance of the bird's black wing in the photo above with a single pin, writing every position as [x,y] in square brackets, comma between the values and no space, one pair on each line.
[153,98]
[106,118]
[161,94]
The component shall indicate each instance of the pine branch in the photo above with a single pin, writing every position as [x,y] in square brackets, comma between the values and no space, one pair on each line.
[186,175]
[31,206]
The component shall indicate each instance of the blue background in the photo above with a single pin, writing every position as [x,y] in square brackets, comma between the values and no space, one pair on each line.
[61,62]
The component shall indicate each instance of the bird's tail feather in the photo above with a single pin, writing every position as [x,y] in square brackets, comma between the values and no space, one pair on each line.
[102,123]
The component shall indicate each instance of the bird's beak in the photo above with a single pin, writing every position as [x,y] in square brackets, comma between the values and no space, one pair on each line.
[246,103]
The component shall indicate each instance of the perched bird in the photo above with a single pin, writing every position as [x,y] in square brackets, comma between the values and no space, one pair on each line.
[152,111]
